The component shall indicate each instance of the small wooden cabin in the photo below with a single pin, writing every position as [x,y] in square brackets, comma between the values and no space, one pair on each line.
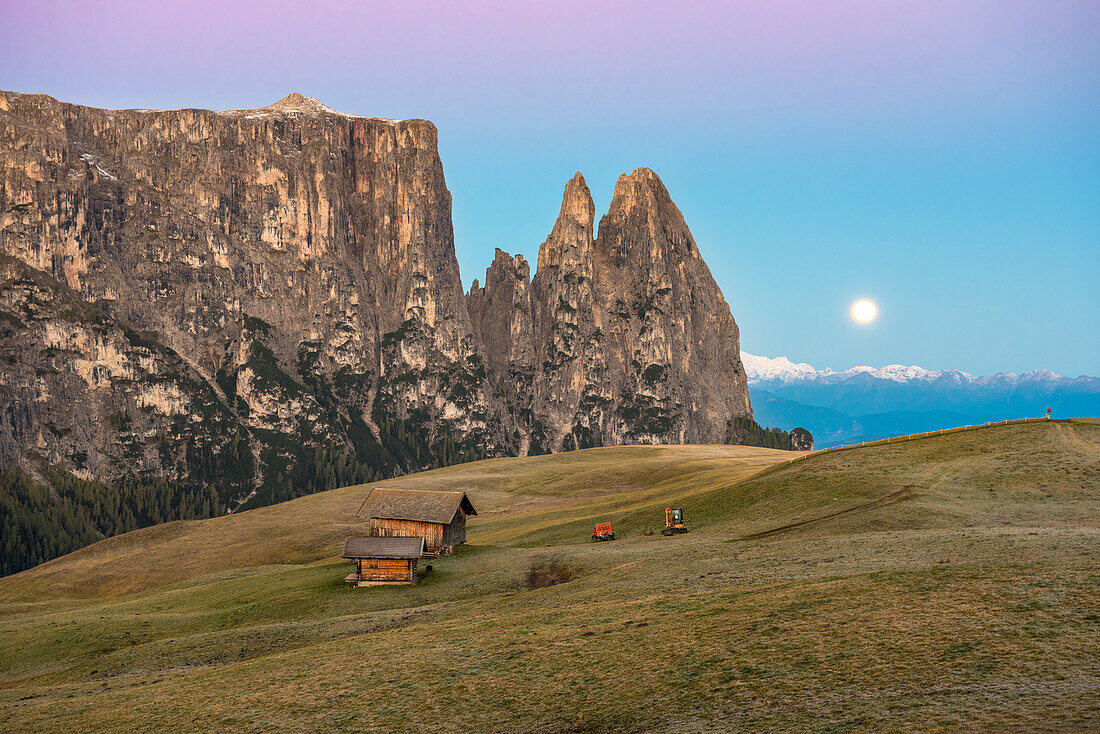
[383,560]
[438,517]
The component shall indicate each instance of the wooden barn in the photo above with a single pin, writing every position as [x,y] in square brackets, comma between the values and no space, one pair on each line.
[383,560]
[438,517]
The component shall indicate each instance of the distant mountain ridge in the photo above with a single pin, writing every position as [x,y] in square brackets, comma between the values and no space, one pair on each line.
[781,369]
[865,403]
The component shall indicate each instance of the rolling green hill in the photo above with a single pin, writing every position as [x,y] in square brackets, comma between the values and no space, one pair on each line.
[943,583]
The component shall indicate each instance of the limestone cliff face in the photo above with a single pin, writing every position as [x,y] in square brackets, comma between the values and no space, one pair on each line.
[571,393]
[633,343]
[89,393]
[296,262]
[501,316]
[678,365]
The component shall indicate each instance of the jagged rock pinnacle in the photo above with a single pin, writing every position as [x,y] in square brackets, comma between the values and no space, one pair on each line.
[573,228]
[576,202]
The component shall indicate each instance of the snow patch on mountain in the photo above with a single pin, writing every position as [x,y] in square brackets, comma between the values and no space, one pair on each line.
[761,369]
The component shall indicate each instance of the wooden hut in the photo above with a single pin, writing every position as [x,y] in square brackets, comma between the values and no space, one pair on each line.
[438,517]
[383,560]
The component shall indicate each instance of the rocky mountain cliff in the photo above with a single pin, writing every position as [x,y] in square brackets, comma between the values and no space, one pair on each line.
[295,264]
[620,338]
[240,307]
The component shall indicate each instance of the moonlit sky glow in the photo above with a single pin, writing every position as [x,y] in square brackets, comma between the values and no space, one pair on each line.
[943,155]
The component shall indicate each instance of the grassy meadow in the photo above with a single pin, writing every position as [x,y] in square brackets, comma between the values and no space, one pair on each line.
[948,583]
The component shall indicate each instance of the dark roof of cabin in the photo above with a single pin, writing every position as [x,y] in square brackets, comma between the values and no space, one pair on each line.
[383,547]
[419,505]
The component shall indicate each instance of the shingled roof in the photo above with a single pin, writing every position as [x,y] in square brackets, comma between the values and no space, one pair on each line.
[419,505]
[383,547]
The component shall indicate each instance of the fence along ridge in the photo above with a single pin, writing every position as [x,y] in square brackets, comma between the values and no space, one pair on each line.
[925,434]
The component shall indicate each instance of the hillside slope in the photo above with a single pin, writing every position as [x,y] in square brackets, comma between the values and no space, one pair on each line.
[513,497]
[942,583]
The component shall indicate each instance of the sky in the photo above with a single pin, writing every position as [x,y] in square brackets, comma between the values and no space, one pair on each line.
[941,158]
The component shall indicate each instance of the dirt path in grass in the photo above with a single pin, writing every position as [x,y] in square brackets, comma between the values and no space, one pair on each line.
[1074,439]
[902,495]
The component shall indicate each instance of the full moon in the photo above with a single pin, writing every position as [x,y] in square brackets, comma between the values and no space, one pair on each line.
[864,311]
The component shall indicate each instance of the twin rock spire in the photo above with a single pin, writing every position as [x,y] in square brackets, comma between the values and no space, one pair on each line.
[624,338]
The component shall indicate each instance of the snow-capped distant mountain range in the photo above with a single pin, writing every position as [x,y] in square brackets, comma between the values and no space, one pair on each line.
[781,369]
[864,403]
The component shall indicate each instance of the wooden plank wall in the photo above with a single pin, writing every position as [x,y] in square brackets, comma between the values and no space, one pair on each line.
[386,569]
[431,532]
[454,533]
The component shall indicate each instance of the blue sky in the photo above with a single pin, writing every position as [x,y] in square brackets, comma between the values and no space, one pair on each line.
[941,158]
